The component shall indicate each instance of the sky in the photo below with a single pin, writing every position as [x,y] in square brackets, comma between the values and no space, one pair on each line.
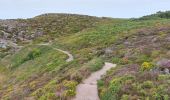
[11,9]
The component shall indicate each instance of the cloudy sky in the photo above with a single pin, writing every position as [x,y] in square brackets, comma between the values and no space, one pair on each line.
[109,8]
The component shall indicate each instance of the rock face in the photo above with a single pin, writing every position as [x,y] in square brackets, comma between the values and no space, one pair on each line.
[3,44]
[164,65]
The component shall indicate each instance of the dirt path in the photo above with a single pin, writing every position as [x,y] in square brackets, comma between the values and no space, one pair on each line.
[87,90]
[70,56]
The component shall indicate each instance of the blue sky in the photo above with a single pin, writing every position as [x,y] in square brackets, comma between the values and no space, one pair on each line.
[108,8]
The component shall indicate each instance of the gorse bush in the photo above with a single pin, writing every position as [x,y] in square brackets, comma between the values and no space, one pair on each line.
[146,66]
[70,88]
[115,87]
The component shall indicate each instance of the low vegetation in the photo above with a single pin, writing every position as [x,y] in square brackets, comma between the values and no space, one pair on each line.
[40,72]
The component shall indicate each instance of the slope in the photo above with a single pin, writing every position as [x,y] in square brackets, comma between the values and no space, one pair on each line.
[126,42]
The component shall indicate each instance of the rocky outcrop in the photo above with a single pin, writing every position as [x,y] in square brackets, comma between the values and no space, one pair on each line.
[164,65]
[3,44]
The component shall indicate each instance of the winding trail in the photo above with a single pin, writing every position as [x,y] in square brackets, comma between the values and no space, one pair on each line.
[87,90]
[70,56]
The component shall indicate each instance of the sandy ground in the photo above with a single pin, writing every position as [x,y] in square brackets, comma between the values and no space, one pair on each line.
[87,90]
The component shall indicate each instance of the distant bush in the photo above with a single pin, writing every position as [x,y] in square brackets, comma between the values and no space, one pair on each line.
[158,15]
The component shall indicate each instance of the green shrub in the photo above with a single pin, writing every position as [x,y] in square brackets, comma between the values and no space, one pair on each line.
[100,83]
[164,77]
[69,93]
[121,61]
[33,54]
[30,56]
[95,64]
[147,84]
[115,85]
[70,88]
[111,93]
[116,60]
[166,97]
[70,84]
[108,96]
[125,97]
[142,58]
[48,96]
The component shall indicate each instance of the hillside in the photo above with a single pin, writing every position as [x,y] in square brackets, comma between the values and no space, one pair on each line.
[32,67]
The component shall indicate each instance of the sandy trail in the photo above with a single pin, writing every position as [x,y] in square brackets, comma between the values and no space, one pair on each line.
[87,90]
[70,56]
